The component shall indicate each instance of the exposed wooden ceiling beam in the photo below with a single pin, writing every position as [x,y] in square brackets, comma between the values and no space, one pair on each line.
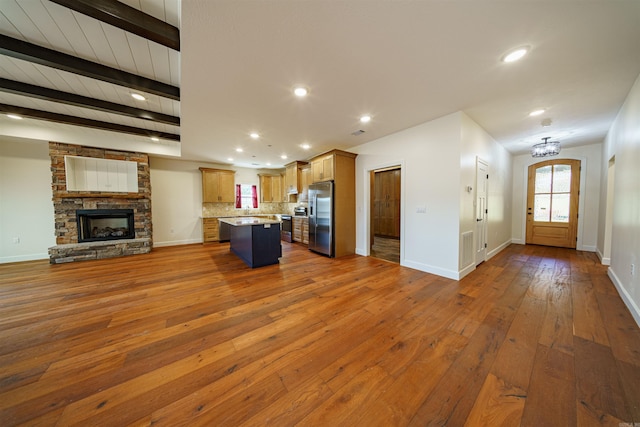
[51,58]
[127,18]
[79,121]
[19,88]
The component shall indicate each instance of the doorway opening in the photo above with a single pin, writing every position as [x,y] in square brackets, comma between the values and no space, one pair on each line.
[385,213]
[552,203]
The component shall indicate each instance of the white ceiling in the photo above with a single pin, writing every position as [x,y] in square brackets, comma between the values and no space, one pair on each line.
[402,62]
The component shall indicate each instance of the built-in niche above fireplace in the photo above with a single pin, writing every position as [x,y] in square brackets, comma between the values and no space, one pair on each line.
[96,225]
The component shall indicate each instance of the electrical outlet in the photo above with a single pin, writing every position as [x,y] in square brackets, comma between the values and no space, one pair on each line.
[16,240]
[633,269]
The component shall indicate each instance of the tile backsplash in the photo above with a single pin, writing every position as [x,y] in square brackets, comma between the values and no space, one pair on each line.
[228,209]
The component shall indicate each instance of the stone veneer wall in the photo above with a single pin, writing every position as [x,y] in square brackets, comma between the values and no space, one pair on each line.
[65,204]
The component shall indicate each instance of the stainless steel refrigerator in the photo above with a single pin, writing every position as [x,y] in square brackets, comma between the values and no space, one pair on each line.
[321,218]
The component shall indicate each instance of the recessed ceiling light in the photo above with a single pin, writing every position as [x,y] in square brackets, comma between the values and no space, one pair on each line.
[283,157]
[268,164]
[516,54]
[365,119]
[230,159]
[155,138]
[301,92]
[138,97]
[254,135]
[536,112]
[305,146]
[239,150]
[14,116]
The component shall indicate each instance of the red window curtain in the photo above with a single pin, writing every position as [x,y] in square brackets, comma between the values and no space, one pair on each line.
[238,196]
[254,196]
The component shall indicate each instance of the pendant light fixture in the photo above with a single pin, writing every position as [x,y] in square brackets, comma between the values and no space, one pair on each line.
[546,148]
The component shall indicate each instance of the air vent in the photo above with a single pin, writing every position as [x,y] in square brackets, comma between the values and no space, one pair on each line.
[358,132]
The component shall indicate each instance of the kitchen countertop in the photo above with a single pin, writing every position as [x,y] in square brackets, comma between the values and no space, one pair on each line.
[270,216]
[248,220]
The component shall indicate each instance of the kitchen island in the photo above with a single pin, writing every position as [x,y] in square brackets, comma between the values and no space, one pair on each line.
[255,240]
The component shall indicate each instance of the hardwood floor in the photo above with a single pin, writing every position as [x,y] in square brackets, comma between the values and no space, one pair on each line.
[191,336]
[386,248]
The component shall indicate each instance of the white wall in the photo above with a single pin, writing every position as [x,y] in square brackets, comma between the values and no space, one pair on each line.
[26,209]
[623,142]
[588,210]
[176,201]
[429,156]
[477,143]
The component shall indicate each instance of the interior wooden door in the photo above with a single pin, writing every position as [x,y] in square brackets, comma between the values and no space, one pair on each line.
[395,204]
[386,202]
[552,203]
[378,202]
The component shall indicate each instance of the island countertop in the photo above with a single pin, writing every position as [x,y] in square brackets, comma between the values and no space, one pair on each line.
[250,220]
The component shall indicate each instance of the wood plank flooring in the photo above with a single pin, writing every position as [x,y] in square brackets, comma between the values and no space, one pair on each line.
[190,336]
[386,248]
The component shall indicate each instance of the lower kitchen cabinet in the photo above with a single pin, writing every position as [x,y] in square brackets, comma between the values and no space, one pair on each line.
[210,230]
[300,229]
[305,231]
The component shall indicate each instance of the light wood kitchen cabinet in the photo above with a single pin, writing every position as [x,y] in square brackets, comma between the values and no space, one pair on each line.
[210,230]
[322,167]
[340,166]
[293,179]
[218,186]
[305,231]
[305,180]
[300,229]
[271,188]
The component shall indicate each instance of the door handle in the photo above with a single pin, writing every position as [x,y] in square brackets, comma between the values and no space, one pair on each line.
[478,219]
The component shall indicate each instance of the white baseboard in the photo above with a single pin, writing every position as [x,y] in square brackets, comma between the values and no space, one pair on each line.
[603,260]
[361,252]
[449,274]
[176,243]
[626,298]
[587,248]
[500,248]
[21,258]
[518,241]
[468,269]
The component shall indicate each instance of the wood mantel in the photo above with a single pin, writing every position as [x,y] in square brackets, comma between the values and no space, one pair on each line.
[93,195]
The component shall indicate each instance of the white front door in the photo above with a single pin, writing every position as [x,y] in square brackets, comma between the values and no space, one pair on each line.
[482,180]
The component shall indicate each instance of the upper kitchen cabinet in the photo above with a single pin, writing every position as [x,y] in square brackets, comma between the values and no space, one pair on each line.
[218,186]
[270,188]
[293,182]
[305,180]
[324,166]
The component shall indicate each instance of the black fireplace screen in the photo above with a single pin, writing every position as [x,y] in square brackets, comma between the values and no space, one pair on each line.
[105,224]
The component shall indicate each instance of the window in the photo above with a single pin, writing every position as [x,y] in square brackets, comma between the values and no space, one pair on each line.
[552,193]
[246,196]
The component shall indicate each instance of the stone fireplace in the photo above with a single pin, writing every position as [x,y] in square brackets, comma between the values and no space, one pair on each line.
[80,214]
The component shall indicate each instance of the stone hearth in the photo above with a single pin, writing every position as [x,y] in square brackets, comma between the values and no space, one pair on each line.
[66,203]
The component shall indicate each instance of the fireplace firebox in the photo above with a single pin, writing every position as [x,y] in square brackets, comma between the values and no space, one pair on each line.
[105,224]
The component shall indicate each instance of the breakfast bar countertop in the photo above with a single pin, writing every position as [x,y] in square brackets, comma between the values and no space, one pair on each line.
[248,220]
